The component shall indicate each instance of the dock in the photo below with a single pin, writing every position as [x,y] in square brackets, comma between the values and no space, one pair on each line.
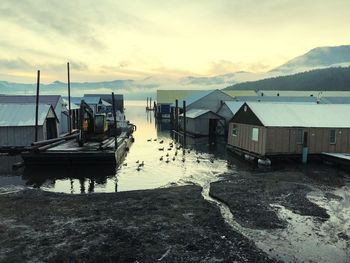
[71,153]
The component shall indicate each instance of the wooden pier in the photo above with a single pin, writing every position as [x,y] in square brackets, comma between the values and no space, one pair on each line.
[71,153]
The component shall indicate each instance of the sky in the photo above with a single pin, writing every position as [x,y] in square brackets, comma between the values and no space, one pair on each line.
[106,40]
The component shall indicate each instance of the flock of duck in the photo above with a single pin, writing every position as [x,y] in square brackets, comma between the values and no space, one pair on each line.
[167,158]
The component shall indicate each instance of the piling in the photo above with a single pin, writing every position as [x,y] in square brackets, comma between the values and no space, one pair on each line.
[150,103]
[69,108]
[184,116]
[305,149]
[115,123]
[147,104]
[177,118]
[37,105]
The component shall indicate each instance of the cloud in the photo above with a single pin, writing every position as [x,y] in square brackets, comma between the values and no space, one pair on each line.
[224,66]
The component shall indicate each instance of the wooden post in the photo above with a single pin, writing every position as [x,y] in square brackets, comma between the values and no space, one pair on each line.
[115,124]
[305,148]
[184,116]
[37,106]
[69,108]
[147,104]
[150,103]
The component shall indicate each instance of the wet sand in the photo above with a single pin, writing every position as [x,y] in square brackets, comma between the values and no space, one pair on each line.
[167,225]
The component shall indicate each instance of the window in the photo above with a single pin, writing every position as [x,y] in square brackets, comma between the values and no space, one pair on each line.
[300,136]
[255,134]
[332,137]
[234,130]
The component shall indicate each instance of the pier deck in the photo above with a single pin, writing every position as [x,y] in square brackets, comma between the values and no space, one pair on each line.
[70,153]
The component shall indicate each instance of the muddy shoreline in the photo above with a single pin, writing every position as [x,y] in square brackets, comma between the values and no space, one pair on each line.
[167,225]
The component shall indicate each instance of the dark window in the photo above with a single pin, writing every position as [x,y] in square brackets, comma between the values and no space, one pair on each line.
[332,137]
[300,136]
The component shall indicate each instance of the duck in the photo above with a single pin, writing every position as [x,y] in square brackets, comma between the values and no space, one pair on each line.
[137,161]
[198,161]
[169,149]
[167,160]
[161,141]
[174,158]
[125,164]
[138,168]
[142,164]
[167,155]
[211,160]
[149,140]
[161,158]
[155,140]
[161,149]
[183,160]
[175,153]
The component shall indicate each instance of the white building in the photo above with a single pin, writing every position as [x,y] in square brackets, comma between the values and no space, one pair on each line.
[17,124]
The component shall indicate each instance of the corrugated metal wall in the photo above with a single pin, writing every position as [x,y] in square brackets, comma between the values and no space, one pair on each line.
[19,136]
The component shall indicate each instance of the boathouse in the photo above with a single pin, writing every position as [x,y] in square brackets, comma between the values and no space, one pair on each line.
[97,104]
[56,101]
[208,99]
[17,124]
[118,99]
[277,129]
[203,122]
[165,99]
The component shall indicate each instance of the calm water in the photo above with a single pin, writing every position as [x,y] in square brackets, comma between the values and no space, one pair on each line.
[305,239]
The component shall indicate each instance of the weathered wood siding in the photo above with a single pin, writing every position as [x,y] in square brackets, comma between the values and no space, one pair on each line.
[244,141]
[284,140]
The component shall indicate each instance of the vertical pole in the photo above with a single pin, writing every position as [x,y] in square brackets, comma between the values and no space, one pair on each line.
[150,103]
[115,124]
[184,116]
[305,148]
[69,108]
[37,105]
[147,104]
[176,118]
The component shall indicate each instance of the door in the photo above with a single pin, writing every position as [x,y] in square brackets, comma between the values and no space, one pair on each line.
[51,128]
[213,123]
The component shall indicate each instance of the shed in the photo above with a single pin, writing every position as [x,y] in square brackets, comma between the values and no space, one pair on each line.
[209,99]
[17,124]
[55,100]
[97,104]
[275,129]
[203,122]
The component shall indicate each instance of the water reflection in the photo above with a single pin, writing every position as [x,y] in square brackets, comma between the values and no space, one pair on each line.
[71,179]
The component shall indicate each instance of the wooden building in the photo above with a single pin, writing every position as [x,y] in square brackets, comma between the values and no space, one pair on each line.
[17,124]
[276,129]
[203,122]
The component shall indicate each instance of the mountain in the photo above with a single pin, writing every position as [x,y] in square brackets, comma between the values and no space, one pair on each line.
[336,79]
[320,57]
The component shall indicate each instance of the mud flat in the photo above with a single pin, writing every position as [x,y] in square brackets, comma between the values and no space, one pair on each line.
[164,225]
[250,199]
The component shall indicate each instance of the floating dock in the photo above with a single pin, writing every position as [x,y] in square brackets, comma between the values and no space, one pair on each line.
[337,158]
[69,152]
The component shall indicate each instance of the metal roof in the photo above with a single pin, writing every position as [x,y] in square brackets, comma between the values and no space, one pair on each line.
[237,93]
[194,113]
[290,99]
[335,100]
[169,96]
[234,106]
[73,106]
[302,115]
[105,103]
[23,114]
[195,96]
[92,100]
[299,93]
[21,99]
